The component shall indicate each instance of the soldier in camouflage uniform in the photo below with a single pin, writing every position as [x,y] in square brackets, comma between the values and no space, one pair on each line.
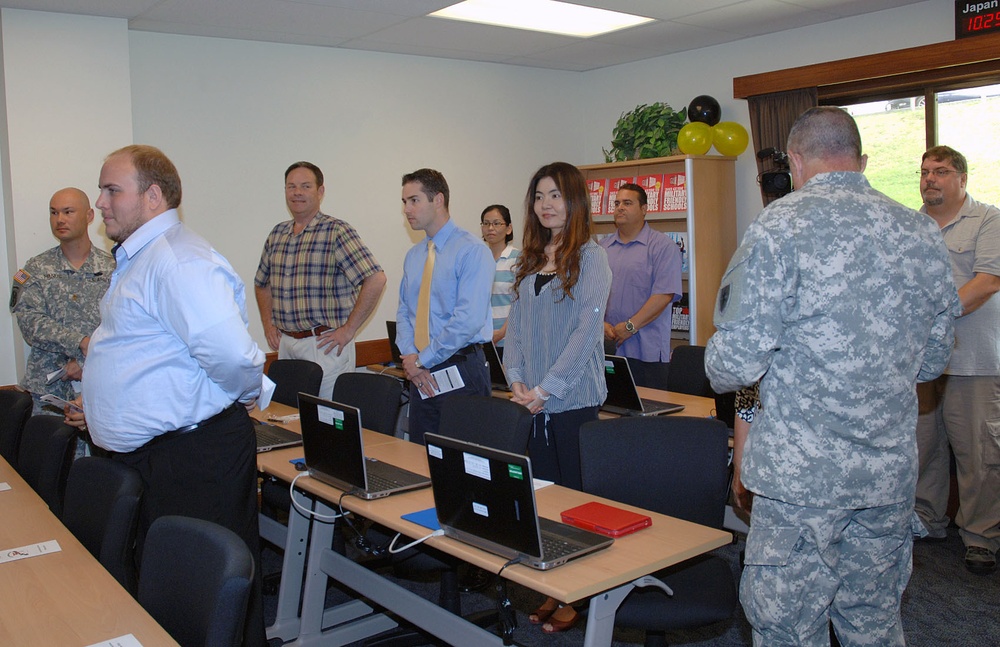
[842,300]
[56,298]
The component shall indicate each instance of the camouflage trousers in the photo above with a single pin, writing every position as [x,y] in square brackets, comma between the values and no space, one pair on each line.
[809,567]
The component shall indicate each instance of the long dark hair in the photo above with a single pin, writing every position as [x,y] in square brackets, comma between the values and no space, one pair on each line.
[575,234]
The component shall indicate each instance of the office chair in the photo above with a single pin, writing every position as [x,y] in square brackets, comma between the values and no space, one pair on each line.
[195,581]
[687,372]
[293,375]
[676,466]
[101,509]
[493,422]
[15,409]
[45,456]
[376,396]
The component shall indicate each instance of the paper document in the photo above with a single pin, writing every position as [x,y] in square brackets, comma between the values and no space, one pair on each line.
[31,550]
[448,379]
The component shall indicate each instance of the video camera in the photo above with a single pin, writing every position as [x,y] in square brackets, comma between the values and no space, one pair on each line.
[777,182]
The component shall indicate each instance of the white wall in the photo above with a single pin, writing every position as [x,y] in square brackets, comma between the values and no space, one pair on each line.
[68,104]
[233,114]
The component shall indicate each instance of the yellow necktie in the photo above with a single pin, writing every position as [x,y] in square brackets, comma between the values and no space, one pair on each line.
[421,327]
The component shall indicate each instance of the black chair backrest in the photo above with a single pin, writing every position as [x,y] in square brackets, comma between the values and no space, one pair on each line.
[492,422]
[15,409]
[195,580]
[101,509]
[377,396]
[687,372]
[292,376]
[45,456]
[674,465]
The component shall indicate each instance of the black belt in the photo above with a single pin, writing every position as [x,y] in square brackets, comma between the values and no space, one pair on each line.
[222,415]
[461,355]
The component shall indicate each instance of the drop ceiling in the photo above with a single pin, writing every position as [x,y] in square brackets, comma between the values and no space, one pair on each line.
[401,26]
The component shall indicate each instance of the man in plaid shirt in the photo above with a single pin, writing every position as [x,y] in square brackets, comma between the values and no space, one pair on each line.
[317,281]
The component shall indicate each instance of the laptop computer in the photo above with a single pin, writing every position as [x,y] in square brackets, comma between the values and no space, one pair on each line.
[498,376]
[485,497]
[397,357]
[335,453]
[271,437]
[623,398]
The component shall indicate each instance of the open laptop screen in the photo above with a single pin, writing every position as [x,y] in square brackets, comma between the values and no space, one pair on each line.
[331,440]
[484,493]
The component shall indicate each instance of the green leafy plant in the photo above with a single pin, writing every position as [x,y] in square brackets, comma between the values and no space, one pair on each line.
[647,131]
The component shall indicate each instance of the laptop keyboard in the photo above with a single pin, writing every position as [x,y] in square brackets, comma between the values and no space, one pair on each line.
[267,436]
[378,483]
[554,547]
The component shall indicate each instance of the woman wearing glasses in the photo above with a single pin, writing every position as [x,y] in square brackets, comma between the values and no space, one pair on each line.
[498,232]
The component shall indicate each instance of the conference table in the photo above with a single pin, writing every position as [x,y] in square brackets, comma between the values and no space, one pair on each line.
[605,577]
[694,405]
[60,597]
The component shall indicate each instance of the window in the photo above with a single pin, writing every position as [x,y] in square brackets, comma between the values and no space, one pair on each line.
[895,135]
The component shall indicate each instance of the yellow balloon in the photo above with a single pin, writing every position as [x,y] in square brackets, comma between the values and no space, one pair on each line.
[730,138]
[695,138]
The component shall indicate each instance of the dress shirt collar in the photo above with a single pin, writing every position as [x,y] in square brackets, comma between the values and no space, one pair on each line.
[642,237]
[150,230]
[441,237]
[966,210]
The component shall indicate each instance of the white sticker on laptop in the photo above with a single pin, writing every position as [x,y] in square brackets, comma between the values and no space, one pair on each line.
[434,451]
[480,509]
[476,465]
[330,416]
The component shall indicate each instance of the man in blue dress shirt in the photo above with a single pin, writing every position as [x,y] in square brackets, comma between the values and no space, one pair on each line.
[172,370]
[455,315]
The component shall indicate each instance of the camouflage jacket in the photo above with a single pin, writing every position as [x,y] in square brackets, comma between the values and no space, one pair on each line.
[56,307]
[842,299]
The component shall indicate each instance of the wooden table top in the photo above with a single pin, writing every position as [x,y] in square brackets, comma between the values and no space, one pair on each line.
[667,542]
[61,598]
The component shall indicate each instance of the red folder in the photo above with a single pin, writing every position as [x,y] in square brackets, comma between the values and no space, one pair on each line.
[605,519]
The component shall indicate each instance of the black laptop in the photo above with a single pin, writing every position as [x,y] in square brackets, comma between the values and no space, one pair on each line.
[274,437]
[335,453]
[486,498]
[498,376]
[623,398]
[397,357]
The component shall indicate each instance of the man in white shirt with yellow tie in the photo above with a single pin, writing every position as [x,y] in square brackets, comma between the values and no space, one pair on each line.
[444,305]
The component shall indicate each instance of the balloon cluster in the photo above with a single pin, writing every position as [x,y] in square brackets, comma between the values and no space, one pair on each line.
[705,130]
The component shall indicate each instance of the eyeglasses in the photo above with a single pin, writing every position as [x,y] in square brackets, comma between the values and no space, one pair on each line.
[493,224]
[938,172]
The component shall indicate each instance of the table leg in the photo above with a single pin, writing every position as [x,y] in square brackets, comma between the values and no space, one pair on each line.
[601,616]
[348,622]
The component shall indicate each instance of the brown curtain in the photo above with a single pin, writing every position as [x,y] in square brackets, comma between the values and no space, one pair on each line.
[771,117]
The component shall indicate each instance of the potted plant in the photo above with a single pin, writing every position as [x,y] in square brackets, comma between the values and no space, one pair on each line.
[647,131]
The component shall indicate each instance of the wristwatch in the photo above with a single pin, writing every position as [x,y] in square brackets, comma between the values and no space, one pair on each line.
[630,327]
[417,363]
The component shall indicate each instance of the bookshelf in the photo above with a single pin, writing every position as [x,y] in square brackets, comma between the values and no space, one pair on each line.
[702,211]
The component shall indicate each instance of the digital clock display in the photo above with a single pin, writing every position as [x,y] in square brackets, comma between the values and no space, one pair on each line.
[974,18]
